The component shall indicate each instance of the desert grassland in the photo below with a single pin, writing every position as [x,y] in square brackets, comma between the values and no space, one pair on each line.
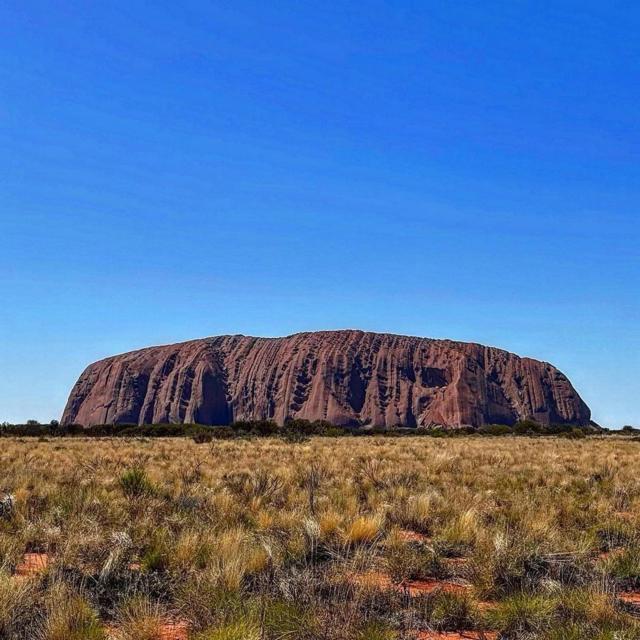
[346,538]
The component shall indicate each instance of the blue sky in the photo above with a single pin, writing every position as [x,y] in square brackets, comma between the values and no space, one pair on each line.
[467,170]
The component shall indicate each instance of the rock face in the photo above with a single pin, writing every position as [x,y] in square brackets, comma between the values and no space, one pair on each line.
[343,377]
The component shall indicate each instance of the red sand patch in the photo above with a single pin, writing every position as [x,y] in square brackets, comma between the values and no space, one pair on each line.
[413,588]
[412,536]
[174,630]
[456,561]
[457,635]
[372,580]
[32,564]
[456,564]
[418,587]
[630,597]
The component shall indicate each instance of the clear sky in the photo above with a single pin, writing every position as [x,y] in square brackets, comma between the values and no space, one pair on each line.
[175,170]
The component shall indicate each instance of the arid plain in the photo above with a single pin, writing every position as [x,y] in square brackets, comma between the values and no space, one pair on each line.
[346,538]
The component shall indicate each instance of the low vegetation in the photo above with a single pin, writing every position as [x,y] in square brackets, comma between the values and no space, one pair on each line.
[295,430]
[355,538]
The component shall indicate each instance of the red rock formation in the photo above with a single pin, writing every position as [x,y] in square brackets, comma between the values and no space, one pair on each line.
[344,377]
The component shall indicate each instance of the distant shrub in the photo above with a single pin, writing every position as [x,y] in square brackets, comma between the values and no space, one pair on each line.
[256,427]
[293,430]
[527,427]
[336,432]
[628,430]
[574,433]
[495,430]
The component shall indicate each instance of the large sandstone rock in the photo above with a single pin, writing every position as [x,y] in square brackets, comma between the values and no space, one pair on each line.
[344,377]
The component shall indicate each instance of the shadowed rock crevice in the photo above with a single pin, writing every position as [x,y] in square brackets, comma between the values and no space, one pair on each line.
[344,377]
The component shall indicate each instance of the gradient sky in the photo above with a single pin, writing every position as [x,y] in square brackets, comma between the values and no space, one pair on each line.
[175,170]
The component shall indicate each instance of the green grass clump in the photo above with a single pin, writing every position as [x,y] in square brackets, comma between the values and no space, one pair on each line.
[135,482]
[71,617]
[624,567]
[449,611]
[242,630]
[376,630]
[523,613]
[18,606]
[280,619]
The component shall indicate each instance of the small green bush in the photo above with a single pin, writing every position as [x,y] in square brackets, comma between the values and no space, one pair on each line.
[135,482]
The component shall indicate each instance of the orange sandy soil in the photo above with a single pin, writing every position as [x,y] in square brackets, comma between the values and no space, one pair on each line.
[32,563]
[456,564]
[417,587]
[412,536]
[457,635]
[175,630]
[630,597]
[380,580]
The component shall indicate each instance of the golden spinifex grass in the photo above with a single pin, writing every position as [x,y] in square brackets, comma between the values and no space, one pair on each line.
[346,538]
